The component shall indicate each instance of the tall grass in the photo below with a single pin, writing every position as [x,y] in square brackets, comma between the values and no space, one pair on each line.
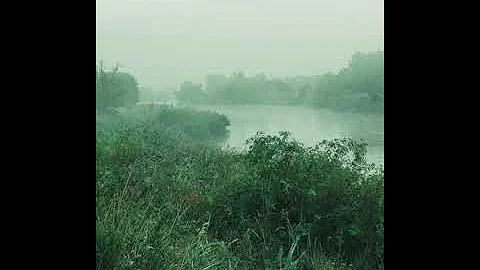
[168,198]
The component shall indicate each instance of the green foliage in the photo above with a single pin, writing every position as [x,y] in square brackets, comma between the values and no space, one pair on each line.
[204,126]
[191,93]
[115,89]
[240,89]
[358,87]
[167,198]
[147,94]
[328,190]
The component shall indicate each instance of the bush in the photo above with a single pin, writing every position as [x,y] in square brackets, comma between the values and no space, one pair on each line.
[201,126]
[334,199]
[114,89]
[167,198]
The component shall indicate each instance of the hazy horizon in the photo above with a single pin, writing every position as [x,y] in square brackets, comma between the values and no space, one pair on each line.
[165,42]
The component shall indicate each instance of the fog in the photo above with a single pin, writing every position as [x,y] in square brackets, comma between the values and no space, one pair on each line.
[239,134]
[165,42]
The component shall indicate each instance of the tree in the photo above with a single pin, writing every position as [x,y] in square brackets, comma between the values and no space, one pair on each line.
[114,89]
[359,86]
[191,93]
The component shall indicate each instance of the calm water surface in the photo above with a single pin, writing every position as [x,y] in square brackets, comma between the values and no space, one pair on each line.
[307,125]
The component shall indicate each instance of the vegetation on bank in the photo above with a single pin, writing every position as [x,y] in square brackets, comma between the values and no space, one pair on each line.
[168,198]
[115,89]
[358,87]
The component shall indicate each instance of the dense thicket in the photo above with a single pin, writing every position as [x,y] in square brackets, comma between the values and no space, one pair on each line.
[358,87]
[167,198]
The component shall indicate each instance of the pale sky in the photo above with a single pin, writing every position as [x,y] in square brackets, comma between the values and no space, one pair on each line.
[165,42]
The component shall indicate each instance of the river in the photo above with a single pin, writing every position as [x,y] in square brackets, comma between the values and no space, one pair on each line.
[308,125]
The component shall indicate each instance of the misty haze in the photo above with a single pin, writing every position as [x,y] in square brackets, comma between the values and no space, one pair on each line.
[240,134]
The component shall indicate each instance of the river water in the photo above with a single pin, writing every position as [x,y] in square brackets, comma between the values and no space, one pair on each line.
[308,125]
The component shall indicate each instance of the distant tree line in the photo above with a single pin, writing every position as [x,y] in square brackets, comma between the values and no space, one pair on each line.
[148,94]
[240,89]
[191,93]
[237,89]
[357,87]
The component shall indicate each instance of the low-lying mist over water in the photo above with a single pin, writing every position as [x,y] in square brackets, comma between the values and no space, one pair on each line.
[307,125]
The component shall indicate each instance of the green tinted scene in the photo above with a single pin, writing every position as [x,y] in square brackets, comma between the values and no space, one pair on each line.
[240,134]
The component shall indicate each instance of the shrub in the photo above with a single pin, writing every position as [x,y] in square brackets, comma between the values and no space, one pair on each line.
[335,199]
[167,198]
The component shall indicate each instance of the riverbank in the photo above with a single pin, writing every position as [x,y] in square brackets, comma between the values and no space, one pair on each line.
[168,200]
[308,125]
